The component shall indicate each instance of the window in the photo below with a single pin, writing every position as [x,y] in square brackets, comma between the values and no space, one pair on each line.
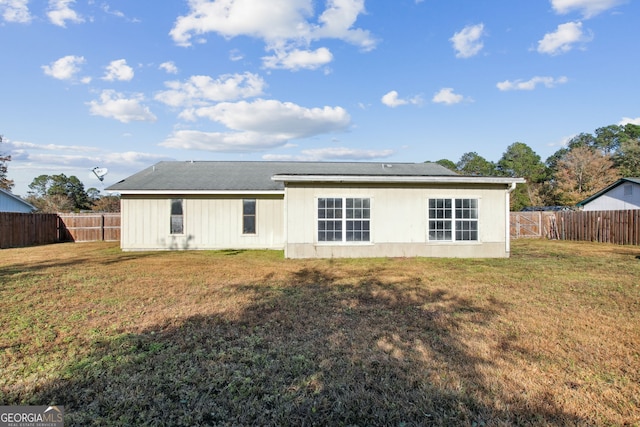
[453,219]
[341,220]
[249,216]
[628,190]
[177,218]
[329,220]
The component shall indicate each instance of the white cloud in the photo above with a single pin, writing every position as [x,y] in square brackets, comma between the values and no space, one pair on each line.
[169,67]
[467,42]
[274,117]
[337,20]
[64,68]
[258,125]
[629,120]
[392,99]
[297,59]
[18,145]
[531,83]
[447,96]
[235,55]
[118,70]
[563,39]
[15,11]
[330,153]
[588,8]
[229,142]
[202,90]
[60,12]
[344,153]
[115,105]
[285,28]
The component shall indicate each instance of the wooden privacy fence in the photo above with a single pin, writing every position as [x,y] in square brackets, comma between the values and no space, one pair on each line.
[22,229]
[90,227]
[618,227]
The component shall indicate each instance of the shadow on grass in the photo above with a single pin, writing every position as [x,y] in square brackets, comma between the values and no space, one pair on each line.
[310,352]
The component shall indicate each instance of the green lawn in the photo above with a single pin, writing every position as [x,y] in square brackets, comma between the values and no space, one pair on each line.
[549,336]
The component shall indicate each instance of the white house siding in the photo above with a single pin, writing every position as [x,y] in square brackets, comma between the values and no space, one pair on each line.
[616,199]
[209,223]
[399,222]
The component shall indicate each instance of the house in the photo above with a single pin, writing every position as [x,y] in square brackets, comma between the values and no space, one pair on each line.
[624,194]
[12,203]
[316,209]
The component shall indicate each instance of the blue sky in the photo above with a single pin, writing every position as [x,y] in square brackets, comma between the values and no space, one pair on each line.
[124,84]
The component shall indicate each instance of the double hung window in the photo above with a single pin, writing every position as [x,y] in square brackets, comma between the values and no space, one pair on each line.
[177,217]
[344,219]
[249,216]
[453,219]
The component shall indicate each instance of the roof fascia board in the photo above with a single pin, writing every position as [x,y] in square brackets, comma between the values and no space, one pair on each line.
[398,179]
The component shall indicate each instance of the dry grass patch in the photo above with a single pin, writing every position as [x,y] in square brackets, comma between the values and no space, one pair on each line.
[549,336]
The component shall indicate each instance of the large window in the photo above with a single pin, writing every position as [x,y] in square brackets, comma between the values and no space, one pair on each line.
[249,216]
[344,220]
[177,217]
[453,219]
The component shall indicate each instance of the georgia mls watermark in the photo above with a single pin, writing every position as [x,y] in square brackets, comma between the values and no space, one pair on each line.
[31,416]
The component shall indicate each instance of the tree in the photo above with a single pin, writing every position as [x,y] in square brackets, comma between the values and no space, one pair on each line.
[58,193]
[5,182]
[521,161]
[107,204]
[627,158]
[581,173]
[448,164]
[474,164]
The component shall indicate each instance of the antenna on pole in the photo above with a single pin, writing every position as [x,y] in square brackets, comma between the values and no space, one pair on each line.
[100,172]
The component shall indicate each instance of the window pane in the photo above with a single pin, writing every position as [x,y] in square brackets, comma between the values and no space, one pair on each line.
[358,215]
[176,207]
[249,206]
[249,225]
[329,219]
[249,216]
[177,226]
[177,220]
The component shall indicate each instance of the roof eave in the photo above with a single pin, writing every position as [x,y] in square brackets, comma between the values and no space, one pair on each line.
[398,179]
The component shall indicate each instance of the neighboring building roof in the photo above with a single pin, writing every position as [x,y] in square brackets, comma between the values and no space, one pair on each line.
[17,200]
[267,176]
[607,189]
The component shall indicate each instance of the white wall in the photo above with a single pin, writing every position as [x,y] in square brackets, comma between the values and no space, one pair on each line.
[209,223]
[616,200]
[399,222]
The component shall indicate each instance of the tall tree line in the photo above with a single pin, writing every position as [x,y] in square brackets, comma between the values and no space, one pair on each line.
[587,164]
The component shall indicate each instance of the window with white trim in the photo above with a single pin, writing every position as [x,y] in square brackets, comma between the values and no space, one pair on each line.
[453,219]
[344,219]
[249,216]
[177,217]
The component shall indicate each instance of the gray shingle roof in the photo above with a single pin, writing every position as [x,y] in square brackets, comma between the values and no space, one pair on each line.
[256,176]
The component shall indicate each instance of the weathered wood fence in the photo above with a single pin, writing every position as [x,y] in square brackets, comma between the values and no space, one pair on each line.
[618,227]
[22,229]
[90,227]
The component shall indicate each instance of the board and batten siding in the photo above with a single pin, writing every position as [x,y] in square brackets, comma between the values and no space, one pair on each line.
[399,222]
[209,223]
